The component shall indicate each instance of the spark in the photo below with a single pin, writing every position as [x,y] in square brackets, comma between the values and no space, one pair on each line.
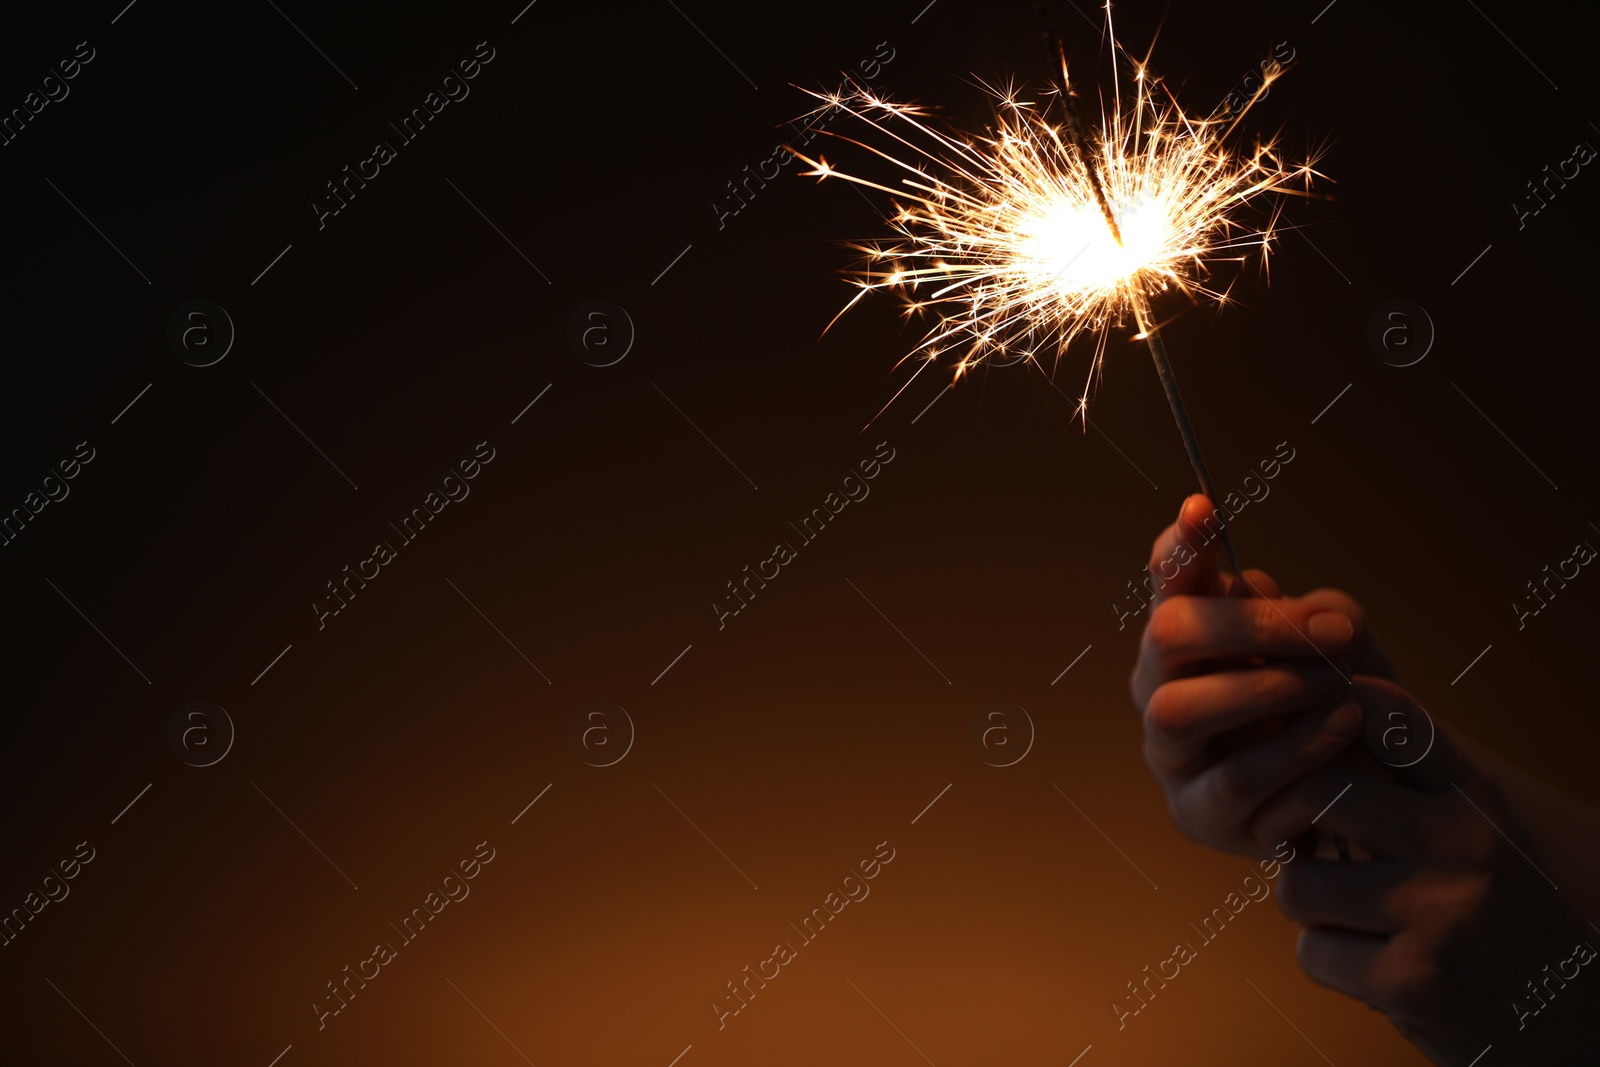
[1043,227]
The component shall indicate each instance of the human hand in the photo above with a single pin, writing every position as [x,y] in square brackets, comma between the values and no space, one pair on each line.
[1451,930]
[1454,930]
[1240,687]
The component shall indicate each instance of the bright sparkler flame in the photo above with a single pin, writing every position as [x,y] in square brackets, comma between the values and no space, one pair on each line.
[1021,238]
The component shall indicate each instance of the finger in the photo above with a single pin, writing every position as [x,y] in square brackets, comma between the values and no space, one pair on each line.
[1256,583]
[1366,654]
[1187,631]
[1232,789]
[1339,959]
[1183,715]
[1341,799]
[1183,562]
[1353,896]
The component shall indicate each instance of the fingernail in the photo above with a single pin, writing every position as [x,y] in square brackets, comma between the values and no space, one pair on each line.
[1345,720]
[1330,628]
[1325,680]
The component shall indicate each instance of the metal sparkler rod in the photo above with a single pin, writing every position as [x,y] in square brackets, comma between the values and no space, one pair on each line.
[1180,414]
[1077,132]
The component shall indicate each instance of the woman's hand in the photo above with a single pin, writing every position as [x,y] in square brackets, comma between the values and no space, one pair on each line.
[1243,691]
[1455,930]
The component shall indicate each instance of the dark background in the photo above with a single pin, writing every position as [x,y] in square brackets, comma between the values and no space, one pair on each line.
[808,730]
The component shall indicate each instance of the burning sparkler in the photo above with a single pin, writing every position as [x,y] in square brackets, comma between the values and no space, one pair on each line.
[1022,238]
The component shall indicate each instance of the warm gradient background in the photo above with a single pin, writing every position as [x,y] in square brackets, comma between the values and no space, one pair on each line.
[807,731]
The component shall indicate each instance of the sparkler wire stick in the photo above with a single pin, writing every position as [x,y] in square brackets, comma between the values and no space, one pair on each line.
[1180,414]
[1024,236]
[1147,328]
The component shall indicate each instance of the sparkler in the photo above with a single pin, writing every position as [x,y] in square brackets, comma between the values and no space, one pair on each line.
[1023,237]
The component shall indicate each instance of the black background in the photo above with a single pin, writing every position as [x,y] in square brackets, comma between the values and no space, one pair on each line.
[408,329]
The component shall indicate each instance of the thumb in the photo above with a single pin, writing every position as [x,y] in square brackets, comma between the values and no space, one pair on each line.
[1184,560]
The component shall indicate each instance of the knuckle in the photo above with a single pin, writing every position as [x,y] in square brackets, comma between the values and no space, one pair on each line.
[1385,989]
[1283,819]
[1153,762]
[1168,625]
[1305,951]
[1233,784]
[1267,687]
[1293,898]
[1190,817]
[1181,816]
[1200,831]
[1310,952]
[1406,987]
[1164,713]
[1264,621]
[1158,549]
[1266,831]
